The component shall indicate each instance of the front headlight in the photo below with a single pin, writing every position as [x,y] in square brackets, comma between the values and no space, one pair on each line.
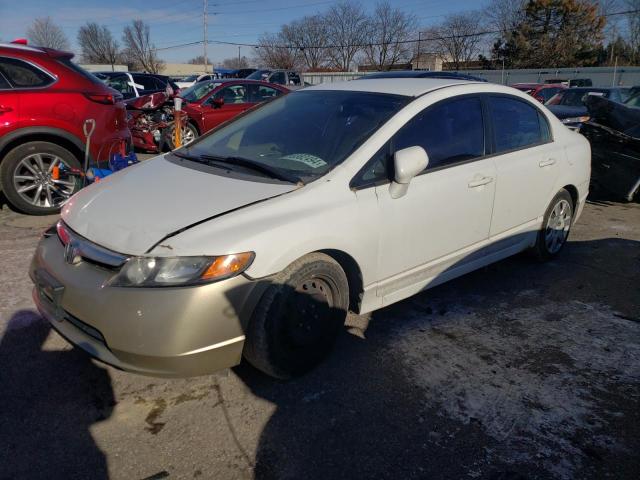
[180,271]
[576,119]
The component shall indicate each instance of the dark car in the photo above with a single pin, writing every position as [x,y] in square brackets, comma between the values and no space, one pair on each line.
[132,84]
[244,72]
[421,74]
[569,105]
[286,78]
[614,134]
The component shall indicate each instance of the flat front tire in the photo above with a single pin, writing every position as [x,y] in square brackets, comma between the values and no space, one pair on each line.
[555,227]
[298,318]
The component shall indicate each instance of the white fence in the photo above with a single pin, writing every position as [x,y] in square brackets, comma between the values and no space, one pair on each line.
[600,76]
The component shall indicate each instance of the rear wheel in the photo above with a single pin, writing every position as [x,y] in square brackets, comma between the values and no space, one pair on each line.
[298,318]
[38,177]
[555,226]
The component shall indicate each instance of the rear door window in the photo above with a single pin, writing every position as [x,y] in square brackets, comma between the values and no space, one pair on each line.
[516,124]
[294,79]
[23,75]
[232,94]
[4,84]
[450,132]
[278,77]
[148,83]
[260,93]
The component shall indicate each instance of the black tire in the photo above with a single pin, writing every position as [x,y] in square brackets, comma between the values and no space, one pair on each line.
[11,166]
[169,134]
[544,249]
[298,318]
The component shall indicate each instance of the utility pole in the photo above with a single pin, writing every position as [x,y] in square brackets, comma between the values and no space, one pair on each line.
[418,55]
[204,27]
[238,57]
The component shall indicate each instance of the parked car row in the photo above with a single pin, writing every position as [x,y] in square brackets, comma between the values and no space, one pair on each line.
[570,107]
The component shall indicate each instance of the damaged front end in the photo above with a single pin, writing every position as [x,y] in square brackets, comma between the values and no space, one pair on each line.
[614,134]
[151,121]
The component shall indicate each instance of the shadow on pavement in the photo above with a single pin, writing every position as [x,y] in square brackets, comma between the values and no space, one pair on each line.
[49,400]
[362,415]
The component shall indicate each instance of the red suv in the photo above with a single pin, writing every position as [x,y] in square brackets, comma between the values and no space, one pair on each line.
[44,102]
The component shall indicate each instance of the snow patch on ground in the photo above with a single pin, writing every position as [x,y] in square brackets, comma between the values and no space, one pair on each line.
[535,378]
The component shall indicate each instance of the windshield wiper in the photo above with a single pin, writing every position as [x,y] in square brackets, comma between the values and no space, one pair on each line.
[186,156]
[256,166]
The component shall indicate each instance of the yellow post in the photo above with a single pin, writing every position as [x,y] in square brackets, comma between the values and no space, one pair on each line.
[177,122]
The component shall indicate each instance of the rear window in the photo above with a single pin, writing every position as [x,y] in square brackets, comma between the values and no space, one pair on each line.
[79,70]
[23,75]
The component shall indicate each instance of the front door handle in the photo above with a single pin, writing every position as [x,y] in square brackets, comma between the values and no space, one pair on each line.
[4,109]
[547,163]
[478,182]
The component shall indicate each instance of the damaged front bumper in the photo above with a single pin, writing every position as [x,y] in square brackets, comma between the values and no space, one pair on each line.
[165,332]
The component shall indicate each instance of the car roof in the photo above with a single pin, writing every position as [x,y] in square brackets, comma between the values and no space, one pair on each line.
[411,87]
[420,74]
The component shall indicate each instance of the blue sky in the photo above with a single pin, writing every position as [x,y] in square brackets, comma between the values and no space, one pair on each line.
[180,21]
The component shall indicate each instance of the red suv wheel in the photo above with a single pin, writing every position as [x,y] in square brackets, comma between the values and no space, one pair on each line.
[38,177]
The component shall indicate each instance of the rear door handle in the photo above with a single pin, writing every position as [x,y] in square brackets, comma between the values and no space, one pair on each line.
[4,109]
[547,163]
[478,182]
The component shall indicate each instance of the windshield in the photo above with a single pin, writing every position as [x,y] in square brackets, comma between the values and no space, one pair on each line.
[198,91]
[190,78]
[259,74]
[303,134]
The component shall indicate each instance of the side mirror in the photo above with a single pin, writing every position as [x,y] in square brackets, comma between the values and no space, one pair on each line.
[408,163]
[217,102]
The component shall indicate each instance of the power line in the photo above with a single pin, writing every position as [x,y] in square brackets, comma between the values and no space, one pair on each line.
[363,45]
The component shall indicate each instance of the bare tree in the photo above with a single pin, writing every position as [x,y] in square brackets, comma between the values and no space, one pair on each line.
[633,20]
[504,15]
[457,38]
[235,63]
[309,36]
[139,52]
[346,24]
[44,33]
[388,30]
[199,60]
[97,44]
[273,51]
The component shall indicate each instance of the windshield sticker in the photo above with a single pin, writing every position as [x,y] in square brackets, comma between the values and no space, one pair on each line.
[307,159]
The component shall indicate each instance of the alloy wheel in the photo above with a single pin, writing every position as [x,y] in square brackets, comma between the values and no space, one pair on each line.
[33,179]
[558,225]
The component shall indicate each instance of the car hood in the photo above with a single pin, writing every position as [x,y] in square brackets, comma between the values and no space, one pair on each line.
[564,111]
[134,209]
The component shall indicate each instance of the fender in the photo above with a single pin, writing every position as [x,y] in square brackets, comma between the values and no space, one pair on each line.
[23,132]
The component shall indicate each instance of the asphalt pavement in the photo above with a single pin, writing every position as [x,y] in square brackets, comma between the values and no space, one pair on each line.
[520,370]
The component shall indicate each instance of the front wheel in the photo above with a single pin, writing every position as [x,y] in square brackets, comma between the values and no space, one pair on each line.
[189,134]
[555,226]
[298,318]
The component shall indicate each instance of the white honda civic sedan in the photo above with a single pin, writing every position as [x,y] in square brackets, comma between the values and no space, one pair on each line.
[257,239]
